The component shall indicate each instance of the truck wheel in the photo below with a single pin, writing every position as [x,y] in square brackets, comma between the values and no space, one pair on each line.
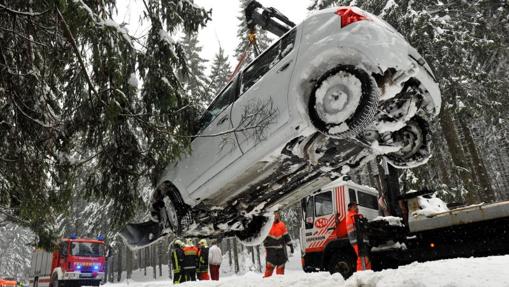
[342,264]
[343,101]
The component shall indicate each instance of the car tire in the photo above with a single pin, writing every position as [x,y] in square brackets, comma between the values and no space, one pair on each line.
[343,101]
[341,263]
[415,139]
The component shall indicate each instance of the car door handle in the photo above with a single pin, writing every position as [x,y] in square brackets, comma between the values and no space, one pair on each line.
[222,120]
[284,67]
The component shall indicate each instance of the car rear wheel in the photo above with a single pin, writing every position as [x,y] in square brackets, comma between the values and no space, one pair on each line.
[343,101]
[415,142]
[339,263]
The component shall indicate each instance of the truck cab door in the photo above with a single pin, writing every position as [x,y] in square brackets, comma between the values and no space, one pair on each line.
[324,223]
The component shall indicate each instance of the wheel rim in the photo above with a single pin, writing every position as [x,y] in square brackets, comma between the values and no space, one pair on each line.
[171,212]
[343,101]
[338,97]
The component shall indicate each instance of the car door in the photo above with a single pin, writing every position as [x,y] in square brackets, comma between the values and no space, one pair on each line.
[213,148]
[262,107]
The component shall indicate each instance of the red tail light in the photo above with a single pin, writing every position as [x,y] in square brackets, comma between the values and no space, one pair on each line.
[349,16]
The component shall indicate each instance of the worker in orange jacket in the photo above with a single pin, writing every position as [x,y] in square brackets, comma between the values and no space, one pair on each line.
[190,262]
[353,212]
[275,246]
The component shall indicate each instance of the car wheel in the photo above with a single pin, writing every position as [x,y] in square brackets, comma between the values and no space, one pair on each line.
[343,101]
[169,214]
[415,142]
[345,265]
[255,230]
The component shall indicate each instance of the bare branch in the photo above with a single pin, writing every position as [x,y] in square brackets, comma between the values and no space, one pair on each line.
[16,12]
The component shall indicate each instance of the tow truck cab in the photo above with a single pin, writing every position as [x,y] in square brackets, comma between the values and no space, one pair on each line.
[76,262]
[323,236]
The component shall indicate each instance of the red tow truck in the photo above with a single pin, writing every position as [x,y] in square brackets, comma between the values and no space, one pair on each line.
[412,234]
[76,262]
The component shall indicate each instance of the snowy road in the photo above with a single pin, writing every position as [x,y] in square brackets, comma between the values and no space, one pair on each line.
[463,272]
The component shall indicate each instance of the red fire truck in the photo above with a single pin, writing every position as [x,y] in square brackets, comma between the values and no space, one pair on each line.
[324,241]
[76,262]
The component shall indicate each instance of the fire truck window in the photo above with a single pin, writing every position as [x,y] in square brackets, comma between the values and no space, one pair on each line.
[63,249]
[367,200]
[351,193]
[323,204]
[309,216]
[87,249]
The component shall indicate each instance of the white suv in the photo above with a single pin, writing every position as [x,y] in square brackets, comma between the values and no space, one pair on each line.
[337,90]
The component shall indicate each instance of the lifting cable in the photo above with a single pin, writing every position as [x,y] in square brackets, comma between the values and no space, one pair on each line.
[251,37]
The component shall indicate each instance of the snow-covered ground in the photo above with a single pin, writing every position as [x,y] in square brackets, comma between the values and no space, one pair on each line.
[462,272]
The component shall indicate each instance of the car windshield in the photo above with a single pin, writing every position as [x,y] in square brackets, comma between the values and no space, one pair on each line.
[87,249]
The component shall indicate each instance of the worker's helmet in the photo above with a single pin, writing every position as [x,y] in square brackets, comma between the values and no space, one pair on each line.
[352,204]
[189,242]
[178,243]
[202,242]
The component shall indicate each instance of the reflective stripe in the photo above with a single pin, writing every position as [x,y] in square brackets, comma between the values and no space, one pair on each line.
[176,267]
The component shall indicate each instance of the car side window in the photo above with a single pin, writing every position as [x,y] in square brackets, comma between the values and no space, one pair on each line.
[367,200]
[323,204]
[261,65]
[223,100]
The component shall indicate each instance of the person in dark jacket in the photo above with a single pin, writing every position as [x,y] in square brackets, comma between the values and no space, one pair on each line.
[275,246]
[203,260]
[190,261]
[177,258]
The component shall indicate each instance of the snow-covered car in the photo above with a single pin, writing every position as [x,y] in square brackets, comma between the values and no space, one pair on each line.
[335,91]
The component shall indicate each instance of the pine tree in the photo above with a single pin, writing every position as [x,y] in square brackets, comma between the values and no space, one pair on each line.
[262,39]
[72,119]
[219,73]
[196,82]
[15,250]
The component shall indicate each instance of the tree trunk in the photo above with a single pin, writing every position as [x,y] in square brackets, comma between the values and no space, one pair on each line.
[236,255]
[258,258]
[119,264]
[483,179]
[229,247]
[160,258]
[154,261]
[145,261]
[111,269]
[457,155]
[129,262]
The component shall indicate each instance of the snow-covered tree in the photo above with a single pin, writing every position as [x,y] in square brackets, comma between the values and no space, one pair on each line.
[219,72]
[196,82]
[15,249]
[72,116]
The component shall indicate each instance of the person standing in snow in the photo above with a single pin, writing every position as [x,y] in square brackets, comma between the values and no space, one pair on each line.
[275,246]
[353,214]
[190,261]
[215,259]
[177,258]
[203,260]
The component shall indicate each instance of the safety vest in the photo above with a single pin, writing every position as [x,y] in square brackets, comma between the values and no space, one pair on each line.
[278,236]
[190,257]
[350,226]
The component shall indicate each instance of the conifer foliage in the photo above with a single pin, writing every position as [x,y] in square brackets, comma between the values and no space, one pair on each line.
[72,119]
[219,73]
